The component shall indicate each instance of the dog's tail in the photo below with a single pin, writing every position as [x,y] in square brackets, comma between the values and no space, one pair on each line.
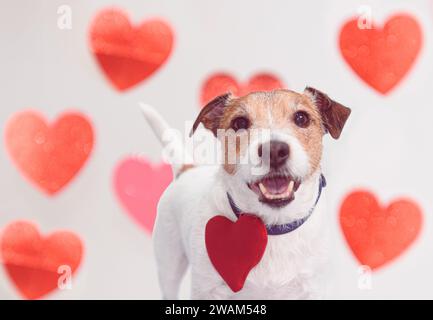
[175,151]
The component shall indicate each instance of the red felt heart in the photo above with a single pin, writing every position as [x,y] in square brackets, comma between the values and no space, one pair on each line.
[129,54]
[50,156]
[382,57]
[221,83]
[32,261]
[378,234]
[234,248]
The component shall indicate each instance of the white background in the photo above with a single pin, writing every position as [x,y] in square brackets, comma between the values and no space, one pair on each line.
[385,147]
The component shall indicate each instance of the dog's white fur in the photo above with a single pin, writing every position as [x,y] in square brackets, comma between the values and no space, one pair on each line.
[293,263]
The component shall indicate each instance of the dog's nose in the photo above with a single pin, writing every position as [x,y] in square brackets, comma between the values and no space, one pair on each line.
[278,153]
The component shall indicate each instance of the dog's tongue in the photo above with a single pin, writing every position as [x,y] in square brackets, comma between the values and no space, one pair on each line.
[276,185]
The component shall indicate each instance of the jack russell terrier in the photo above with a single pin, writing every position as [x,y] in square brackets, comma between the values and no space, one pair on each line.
[285,196]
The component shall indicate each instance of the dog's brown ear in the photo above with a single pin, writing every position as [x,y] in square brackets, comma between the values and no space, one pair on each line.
[211,114]
[334,115]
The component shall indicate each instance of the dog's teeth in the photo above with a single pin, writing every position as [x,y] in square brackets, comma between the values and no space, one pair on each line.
[286,194]
[291,185]
[271,196]
[266,193]
[263,189]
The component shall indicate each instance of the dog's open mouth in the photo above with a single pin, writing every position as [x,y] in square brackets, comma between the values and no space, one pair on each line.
[275,190]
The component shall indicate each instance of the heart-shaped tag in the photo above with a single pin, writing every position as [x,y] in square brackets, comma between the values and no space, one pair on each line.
[37,264]
[221,83]
[129,54]
[382,57]
[234,248]
[378,234]
[49,155]
[139,185]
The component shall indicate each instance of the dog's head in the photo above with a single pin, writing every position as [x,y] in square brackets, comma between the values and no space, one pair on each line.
[272,142]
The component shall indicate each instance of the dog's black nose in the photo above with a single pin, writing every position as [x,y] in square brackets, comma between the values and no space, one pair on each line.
[278,153]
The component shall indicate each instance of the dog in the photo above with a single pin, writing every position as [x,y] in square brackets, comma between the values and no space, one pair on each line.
[285,194]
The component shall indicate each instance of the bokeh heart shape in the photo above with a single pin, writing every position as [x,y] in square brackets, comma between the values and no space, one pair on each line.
[129,54]
[138,185]
[382,57]
[36,263]
[50,155]
[378,234]
[220,83]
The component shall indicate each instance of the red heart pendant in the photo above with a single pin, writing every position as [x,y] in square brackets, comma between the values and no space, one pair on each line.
[382,57]
[378,234]
[221,83]
[33,261]
[129,54]
[234,248]
[49,155]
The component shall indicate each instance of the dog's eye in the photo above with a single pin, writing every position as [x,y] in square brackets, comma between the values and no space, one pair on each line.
[240,123]
[301,119]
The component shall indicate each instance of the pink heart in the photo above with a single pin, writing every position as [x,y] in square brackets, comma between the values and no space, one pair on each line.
[139,184]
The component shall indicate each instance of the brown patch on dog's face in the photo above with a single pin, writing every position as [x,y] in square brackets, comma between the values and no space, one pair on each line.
[276,110]
[306,116]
